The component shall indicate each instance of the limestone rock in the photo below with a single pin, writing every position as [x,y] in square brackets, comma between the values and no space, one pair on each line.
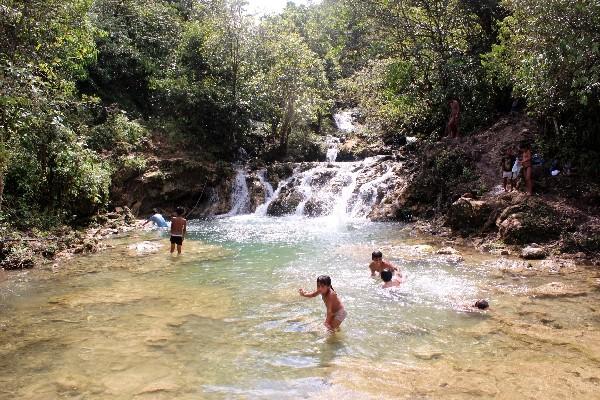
[286,203]
[534,253]
[317,207]
[530,221]
[469,215]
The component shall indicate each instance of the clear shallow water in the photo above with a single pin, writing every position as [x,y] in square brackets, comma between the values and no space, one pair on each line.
[224,321]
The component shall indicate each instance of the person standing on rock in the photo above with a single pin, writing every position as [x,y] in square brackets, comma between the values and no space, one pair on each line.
[178,230]
[452,129]
[156,219]
[526,164]
[507,166]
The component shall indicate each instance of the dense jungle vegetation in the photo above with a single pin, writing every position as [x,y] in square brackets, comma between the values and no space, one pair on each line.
[84,84]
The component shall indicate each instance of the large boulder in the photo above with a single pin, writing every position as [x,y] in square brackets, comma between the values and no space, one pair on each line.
[469,215]
[534,252]
[286,203]
[530,221]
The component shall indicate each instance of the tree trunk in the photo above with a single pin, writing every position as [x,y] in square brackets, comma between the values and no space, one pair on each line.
[1,189]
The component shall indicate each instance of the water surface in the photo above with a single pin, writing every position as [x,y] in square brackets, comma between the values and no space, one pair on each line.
[224,321]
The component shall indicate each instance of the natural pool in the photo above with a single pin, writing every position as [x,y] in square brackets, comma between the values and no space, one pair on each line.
[224,321]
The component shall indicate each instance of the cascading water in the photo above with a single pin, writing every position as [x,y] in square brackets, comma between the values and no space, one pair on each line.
[333,148]
[240,194]
[269,193]
[344,121]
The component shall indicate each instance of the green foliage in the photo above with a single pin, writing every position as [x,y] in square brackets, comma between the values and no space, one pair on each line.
[549,53]
[118,133]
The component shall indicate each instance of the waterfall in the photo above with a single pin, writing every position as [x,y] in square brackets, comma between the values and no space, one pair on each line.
[344,121]
[340,191]
[240,194]
[270,194]
[333,148]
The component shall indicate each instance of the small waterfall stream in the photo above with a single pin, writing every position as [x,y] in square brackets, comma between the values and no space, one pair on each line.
[240,194]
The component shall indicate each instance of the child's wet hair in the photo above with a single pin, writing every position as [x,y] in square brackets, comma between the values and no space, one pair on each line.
[386,275]
[376,254]
[324,280]
[179,210]
[482,304]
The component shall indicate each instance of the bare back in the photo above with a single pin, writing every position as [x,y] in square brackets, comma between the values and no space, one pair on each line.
[332,301]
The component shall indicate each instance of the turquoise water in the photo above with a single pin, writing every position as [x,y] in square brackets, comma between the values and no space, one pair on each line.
[224,320]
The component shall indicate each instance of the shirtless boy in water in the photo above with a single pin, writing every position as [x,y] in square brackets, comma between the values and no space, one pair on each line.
[178,230]
[336,313]
[389,279]
[378,264]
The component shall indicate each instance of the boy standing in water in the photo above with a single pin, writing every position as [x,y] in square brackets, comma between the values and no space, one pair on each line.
[178,230]
[336,313]
[378,264]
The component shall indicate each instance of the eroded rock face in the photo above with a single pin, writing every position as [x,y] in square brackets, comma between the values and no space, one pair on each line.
[317,207]
[469,215]
[286,203]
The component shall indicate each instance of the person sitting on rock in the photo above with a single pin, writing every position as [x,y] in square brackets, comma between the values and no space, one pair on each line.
[389,279]
[157,219]
[378,264]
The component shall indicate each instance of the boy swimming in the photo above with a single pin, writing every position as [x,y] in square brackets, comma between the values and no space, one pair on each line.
[389,280]
[378,264]
[336,314]
[178,230]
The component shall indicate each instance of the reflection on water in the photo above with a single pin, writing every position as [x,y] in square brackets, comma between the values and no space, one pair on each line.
[224,321]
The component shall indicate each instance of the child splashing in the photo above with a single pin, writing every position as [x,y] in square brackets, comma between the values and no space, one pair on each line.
[335,309]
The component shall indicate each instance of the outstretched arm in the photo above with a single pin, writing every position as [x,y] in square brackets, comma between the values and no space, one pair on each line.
[304,293]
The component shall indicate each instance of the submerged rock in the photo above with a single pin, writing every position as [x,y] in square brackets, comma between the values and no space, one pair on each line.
[146,247]
[449,251]
[557,289]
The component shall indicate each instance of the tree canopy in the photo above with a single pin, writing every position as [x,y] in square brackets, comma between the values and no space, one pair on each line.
[84,83]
